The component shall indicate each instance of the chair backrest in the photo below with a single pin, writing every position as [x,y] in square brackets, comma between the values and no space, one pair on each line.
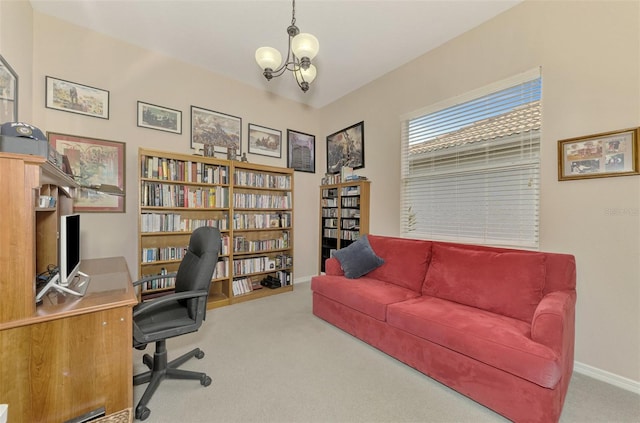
[198,263]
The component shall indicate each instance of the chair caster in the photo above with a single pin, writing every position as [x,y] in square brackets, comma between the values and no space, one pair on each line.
[142,413]
[205,380]
[199,354]
[147,360]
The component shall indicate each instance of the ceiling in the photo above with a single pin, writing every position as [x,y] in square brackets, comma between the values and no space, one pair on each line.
[360,40]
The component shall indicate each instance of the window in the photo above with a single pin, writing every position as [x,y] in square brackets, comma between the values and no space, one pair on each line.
[470,166]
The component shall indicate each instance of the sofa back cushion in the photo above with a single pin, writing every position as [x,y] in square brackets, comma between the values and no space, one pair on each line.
[405,260]
[509,283]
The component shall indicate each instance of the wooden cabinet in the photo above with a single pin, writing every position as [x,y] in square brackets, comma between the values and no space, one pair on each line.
[262,230]
[344,215]
[28,233]
[68,355]
[251,204]
[179,193]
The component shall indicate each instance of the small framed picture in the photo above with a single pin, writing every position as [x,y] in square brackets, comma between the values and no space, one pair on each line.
[8,93]
[76,98]
[346,148]
[599,155]
[301,151]
[265,141]
[158,117]
[218,129]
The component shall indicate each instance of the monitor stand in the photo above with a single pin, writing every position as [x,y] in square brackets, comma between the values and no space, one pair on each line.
[77,287]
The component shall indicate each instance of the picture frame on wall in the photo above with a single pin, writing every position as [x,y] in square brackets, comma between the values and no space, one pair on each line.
[265,141]
[346,148]
[76,98]
[160,118]
[301,151]
[8,93]
[221,130]
[93,162]
[600,155]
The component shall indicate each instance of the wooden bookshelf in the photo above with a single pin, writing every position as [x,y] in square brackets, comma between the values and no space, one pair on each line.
[251,204]
[344,215]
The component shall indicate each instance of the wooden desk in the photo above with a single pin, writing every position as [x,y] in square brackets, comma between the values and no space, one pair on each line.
[74,354]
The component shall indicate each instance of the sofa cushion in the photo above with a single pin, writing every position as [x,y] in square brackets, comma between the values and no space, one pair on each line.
[503,282]
[405,260]
[495,340]
[358,258]
[366,295]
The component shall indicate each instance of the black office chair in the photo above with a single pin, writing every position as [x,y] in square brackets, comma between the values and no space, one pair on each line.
[175,314]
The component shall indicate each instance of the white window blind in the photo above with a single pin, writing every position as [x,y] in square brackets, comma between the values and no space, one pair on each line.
[470,166]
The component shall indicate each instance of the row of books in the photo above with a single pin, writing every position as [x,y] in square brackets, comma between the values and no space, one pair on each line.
[244,286]
[350,235]
[330,223]
[186,171]
[261,220]
[350,201]
[261,180]
[157,194]
[351,224]
[174,222]
[262,201]
[329,192]
[260,264]
[150,255]
[351,213]
[244,245]
[329,202]
[161,283]
[332,212]
[222,269]
[351,190]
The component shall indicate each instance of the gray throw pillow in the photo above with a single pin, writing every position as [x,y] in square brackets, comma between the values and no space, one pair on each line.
[358,258]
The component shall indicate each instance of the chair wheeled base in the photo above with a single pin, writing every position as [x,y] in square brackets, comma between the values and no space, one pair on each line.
[159,370]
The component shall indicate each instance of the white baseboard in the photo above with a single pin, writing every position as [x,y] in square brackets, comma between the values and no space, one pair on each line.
[608,377]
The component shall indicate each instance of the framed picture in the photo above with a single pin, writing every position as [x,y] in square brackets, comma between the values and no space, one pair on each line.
[76,98]
[346,148]
[8,93]
[160,118]
[301,151]
[221,130]
[599,155]
[93,162]
[265,141]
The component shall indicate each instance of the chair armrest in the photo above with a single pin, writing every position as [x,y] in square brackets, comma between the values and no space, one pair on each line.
[151,305]
[332,267]
[153,278]
[553,322]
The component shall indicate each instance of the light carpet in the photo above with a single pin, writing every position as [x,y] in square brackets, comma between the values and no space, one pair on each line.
[272,360]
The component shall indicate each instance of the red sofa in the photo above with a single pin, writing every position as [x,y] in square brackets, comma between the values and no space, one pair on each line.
[494,324]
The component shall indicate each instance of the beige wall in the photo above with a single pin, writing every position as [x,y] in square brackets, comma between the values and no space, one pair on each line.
[590,58]
[131,74]
[16,47]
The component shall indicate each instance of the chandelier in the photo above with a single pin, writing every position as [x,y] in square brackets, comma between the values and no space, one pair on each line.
[302,49]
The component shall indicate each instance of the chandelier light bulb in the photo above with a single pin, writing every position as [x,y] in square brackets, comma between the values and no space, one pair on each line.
[305,45]
[306,75]
[268,58]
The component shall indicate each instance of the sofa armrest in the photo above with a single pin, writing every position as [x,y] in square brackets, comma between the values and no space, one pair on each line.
[332,267]
[553,322]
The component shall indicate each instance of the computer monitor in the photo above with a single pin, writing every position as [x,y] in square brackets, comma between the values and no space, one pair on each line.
[69,262]
[67,277]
